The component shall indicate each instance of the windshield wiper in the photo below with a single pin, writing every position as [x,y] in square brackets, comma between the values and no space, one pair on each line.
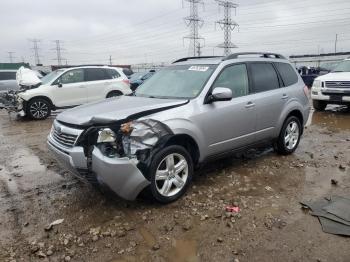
[338,71]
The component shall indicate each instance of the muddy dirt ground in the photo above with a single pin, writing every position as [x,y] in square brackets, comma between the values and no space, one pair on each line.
[271,226]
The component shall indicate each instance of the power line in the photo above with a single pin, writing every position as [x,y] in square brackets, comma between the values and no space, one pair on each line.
[227,24]
[194,22]
[36,50]
[11,57]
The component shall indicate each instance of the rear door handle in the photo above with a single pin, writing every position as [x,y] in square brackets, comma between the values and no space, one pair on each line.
[284,96]
[249,104]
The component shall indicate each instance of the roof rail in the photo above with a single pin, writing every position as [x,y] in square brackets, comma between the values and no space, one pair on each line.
[262,54]
[194,57]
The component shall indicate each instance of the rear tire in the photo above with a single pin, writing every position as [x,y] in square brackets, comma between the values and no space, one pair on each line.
[114,94]
[171,172]
[289,137]
[38,109]
[319,105]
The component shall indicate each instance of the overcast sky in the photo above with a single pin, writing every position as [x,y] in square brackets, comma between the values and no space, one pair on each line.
[138,31]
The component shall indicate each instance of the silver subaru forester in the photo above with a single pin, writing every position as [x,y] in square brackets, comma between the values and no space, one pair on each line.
[197,109]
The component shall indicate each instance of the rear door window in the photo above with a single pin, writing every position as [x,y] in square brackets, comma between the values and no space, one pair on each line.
[288,74]
[7,75]
[264,77]
[95,74]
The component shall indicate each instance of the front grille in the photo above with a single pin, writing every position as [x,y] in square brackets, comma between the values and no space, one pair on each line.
[64,139]
[338,84]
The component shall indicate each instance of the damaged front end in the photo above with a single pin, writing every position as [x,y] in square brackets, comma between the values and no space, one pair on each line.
[11,102]
[119,154]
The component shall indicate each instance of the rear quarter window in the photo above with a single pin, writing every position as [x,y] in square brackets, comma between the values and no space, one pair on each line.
[288,74]
[112,73]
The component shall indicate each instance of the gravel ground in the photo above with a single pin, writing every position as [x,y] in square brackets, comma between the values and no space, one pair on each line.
[270,226]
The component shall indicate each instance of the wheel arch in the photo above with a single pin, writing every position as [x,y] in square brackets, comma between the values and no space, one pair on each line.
[42,97]
[188,143]
[297,113]
[114,91]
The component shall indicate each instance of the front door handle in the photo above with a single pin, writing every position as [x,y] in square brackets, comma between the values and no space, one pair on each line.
[249,104]
[284,96]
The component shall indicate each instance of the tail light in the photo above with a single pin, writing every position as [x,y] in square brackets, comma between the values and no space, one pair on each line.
[306,91]
[126,81]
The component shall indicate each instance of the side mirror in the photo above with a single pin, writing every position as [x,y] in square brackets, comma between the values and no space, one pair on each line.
[220,94]
[59,84]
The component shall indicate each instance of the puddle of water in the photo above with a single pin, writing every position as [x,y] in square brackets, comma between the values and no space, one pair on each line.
[318,181]
[32,172]
[184,251]
[335,120]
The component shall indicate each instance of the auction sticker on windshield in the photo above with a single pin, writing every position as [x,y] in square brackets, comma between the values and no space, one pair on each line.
[199,68]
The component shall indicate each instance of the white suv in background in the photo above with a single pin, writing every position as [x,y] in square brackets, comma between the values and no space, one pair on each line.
[332,88]
[71,87]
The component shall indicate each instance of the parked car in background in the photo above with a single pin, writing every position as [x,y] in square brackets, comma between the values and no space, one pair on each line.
[308,74]
[128,72]
[8,80]
[332,88]
[138,78]
[71,87]
[193,111]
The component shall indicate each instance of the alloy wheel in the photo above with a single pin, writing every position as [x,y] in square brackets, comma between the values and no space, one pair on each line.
[171,175]
[39,110]
[291,135]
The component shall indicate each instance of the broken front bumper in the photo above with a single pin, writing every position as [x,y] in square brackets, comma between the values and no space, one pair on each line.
[119,174]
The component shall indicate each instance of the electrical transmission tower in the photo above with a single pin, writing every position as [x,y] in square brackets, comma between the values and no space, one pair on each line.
[194,22]
[11,57]
[227,24]
[58,49]
[36,50]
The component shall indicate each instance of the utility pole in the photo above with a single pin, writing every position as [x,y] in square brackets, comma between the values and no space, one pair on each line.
[36,50]
[58,49]
[227,24]
[11,56]
[335,43]
[194,22]
[110,60]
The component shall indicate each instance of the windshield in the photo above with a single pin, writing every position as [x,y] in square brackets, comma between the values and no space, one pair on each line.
[182,81]
[49,77]
[136,76]
[343,67]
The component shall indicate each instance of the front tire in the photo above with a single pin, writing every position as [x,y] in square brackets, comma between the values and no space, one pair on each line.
[171,173]
[38,109]
[289,137]
[319,105]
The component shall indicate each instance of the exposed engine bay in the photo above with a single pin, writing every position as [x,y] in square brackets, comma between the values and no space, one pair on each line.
[137,140]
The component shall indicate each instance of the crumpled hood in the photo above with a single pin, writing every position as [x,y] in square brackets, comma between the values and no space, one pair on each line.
[27,77]
[340,76]
[117,108]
